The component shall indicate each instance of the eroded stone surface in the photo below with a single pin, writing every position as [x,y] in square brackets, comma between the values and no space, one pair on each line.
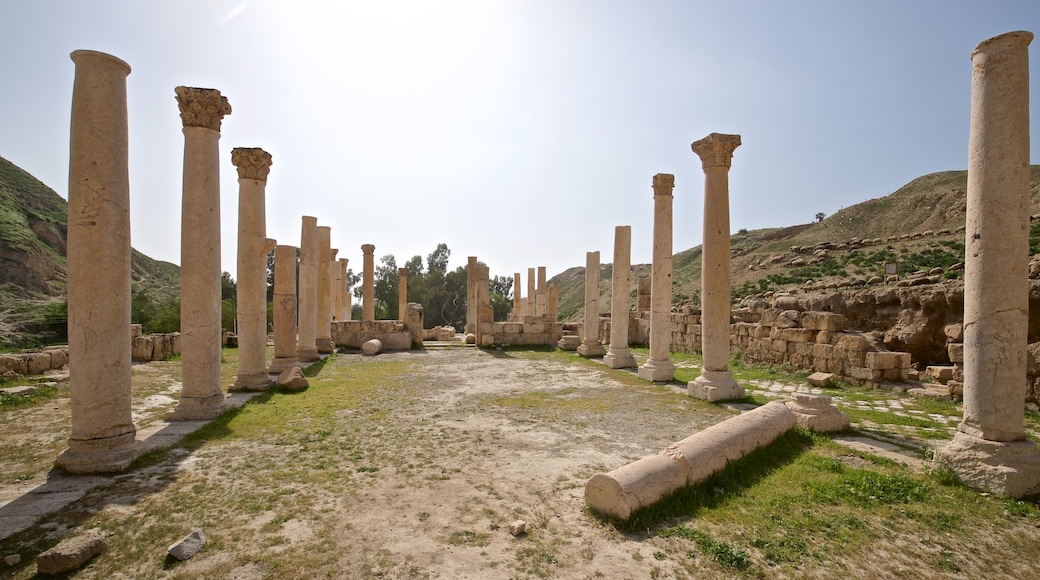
[70,554]
[187,546]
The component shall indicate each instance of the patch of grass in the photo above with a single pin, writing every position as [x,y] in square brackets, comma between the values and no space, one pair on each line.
[868,487]
[723,553]
[469,538]
[43,393]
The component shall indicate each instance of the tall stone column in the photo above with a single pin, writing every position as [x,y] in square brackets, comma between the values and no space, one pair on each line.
[481,295]
[368,290]
[253,165]
[402,293]
[517,314]
[619,357]
[307,348]
[990,450]
[201,114]
[323,340]
[284,310]
[554,301]
[543,295]
[658,367]
[532,295]
[471,298]
[98,296]
[345,311]
[716,382]
[337,287]
[591,346]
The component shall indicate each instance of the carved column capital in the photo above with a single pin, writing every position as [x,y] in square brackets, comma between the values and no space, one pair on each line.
[252,162]
[716,150]
[663,184]
[202,107]
[367,249]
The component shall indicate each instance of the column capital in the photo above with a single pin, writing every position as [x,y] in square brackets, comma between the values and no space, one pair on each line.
[252,162]
[402,271]
[367,249]
[716,150]
[202,107]
[332,254]
[663,184]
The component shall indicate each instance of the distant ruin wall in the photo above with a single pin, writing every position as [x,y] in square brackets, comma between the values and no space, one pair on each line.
[534,330]
[353,333]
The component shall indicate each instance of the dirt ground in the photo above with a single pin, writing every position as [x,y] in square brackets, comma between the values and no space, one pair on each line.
[404,465]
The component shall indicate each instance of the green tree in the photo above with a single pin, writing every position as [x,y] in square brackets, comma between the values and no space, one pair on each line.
[228,287]
[501,295]
[386,287]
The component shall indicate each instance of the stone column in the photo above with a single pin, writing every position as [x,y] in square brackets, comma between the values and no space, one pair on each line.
[532,296]
[103,430]
[619,357]
[591,346]
[323,340]
[343,262]
[543,296]
[307,349]
[554,301]
[201,114]
[471,299]
[368,290]
[253,247]
[517,314]
[481,295]
[658,367]
[643,294]
[402,292]
[284,310]
[990,450]
[716,382]
[337,287]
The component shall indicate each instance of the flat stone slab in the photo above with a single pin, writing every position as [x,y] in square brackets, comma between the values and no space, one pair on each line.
[70,554]
[907,457]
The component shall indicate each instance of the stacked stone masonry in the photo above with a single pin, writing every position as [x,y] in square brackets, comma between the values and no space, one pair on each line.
[533,330]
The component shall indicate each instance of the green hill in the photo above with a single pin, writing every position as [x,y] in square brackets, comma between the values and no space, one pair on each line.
[910,224]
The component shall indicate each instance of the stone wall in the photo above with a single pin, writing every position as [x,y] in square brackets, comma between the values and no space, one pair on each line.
[353,333]
[534,330]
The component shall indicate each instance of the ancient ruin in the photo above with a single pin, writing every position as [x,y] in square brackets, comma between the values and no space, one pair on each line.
[591,345]
[103,430]
[368,293]
[253,247]
[323,339]
[284,310]
[201,114]
[307,347]
[619,356]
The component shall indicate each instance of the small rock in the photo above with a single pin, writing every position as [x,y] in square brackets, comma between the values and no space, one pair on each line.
[821,380]
[518,527]
[293,379]
[70,554]
[188,546]
[13,559]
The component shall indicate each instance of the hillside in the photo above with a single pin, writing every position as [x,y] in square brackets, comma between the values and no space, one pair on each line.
[33,229]
[916,227]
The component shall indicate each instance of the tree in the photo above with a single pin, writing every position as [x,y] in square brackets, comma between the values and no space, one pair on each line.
[501,295]
[438,259]
[228,288]
[819,216]
[387,282]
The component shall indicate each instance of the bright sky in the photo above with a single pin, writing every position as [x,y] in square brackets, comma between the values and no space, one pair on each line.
[518,131]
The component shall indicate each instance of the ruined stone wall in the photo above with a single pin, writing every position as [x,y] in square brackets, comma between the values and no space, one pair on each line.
[353,333]
[534,330]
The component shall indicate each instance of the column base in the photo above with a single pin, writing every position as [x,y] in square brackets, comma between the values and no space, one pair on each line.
[325,346]
[620,358]
[1009,468]
[107,455]
[590,349]
[308,355]
[280,364]
[198,408]
[715,386]
[251,382]
[658,371]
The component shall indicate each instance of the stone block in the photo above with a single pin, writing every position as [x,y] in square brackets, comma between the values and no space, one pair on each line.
[941,374]
[881,360]
[535,328]
[803,348]
[954,332]
[956,352]
[851,342]
[815,412]
[70,554]
[13,363]
[788,319]
[779,346]
[59,357]
[141,349]
[513,327]
[824,337]
[798,334]
[37,363]
[902,360]
[821,380]
[293,379]
[822,351]
[188,546]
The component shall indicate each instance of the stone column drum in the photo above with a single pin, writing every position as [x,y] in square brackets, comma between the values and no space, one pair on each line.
[323,338]
[532,295]
[658,367]
[471,299]
[402,292]
[201,113]
[543,296]
[716,382]
[990,450]
[591,346]
[368,293]
[517,314]
[98,296]
[307,348]
[619,356]
[253,165]
[284,310]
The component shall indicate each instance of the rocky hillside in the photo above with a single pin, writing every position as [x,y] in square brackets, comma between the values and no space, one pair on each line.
[918,227]
[33,228]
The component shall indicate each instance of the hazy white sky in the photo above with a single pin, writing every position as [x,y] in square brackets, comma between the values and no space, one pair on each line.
[518,131]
